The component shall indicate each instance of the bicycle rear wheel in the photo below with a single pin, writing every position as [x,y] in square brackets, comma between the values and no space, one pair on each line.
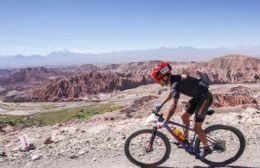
[140,151]
[228,144]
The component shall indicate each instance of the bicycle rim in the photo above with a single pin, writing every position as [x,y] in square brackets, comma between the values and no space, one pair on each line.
[227,142]
[140,152]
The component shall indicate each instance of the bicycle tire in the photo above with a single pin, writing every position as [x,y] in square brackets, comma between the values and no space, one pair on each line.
[240,151]
[138,163]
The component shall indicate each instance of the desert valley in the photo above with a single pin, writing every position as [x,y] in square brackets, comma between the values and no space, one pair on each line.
[80,116]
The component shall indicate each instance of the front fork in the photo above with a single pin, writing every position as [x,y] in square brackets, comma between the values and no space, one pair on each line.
[149,147]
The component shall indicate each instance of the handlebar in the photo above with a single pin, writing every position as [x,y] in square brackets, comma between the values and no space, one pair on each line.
[158,115]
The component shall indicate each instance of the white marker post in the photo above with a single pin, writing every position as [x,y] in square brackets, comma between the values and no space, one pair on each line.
[24,142]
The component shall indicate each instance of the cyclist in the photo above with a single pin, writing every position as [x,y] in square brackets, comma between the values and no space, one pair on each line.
[189,86]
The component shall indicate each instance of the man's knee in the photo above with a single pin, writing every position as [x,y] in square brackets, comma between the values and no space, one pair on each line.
[197,127]
[185,116]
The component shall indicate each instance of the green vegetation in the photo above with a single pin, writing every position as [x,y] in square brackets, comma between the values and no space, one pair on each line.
[51,118]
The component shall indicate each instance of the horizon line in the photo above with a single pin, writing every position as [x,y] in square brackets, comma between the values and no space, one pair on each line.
[80,51]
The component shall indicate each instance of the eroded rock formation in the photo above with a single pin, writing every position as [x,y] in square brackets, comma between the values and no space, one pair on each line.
[221,100]
[94,82]
[76,82]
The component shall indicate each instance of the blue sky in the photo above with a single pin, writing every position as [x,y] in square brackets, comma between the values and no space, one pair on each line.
[41,26]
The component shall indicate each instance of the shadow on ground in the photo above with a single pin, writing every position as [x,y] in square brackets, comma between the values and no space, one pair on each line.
[209,167]
[225,166]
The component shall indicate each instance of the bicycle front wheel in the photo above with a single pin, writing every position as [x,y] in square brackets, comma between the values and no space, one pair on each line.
[228,144]
[140,151]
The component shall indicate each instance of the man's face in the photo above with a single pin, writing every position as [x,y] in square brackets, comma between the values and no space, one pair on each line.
[164,81]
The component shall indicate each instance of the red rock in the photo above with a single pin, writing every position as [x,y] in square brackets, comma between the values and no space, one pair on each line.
[229,69]
[76,82]
[87,84]
[220,100]
[48,141]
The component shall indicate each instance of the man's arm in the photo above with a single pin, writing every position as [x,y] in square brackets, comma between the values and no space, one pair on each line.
[175,94]
[167,98]
[172,109]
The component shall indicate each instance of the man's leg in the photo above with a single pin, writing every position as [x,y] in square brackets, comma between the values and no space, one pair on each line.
[202,136]
[200,114]
[190,108]
[186,121]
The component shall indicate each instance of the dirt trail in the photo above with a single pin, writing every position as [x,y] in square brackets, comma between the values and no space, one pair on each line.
[88,145]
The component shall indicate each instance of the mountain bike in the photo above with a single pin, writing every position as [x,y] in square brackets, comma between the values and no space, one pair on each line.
[150,147]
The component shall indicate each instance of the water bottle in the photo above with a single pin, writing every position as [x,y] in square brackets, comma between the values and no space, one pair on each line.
[179,134]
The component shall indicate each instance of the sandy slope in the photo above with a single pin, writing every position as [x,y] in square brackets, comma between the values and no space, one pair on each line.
[103,144]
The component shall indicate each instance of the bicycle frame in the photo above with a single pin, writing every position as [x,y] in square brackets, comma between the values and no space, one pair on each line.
[187,147]
[169,129]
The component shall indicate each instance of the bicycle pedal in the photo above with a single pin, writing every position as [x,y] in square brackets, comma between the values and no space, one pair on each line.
[178,144]
[197,157]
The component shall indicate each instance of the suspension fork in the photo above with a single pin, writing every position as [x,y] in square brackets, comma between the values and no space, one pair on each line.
[150,145]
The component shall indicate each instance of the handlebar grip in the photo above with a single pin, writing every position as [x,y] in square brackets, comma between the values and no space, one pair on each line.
[156,113]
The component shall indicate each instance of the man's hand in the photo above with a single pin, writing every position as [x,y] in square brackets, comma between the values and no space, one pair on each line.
[160,124]
[158,107]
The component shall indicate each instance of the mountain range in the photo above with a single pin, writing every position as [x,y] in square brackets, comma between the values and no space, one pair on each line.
[64,58]
[82,82]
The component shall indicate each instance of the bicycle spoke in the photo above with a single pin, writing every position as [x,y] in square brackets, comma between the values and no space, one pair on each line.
[224,143]
[139,151]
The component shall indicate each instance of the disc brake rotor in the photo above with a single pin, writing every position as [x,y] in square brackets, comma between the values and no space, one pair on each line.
[219,146]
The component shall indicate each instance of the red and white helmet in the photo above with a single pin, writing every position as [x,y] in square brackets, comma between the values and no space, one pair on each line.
[160,70]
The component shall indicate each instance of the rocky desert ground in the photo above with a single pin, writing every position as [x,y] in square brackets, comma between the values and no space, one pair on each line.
[99,140]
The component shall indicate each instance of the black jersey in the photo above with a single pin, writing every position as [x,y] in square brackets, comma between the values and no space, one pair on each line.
[187,85]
